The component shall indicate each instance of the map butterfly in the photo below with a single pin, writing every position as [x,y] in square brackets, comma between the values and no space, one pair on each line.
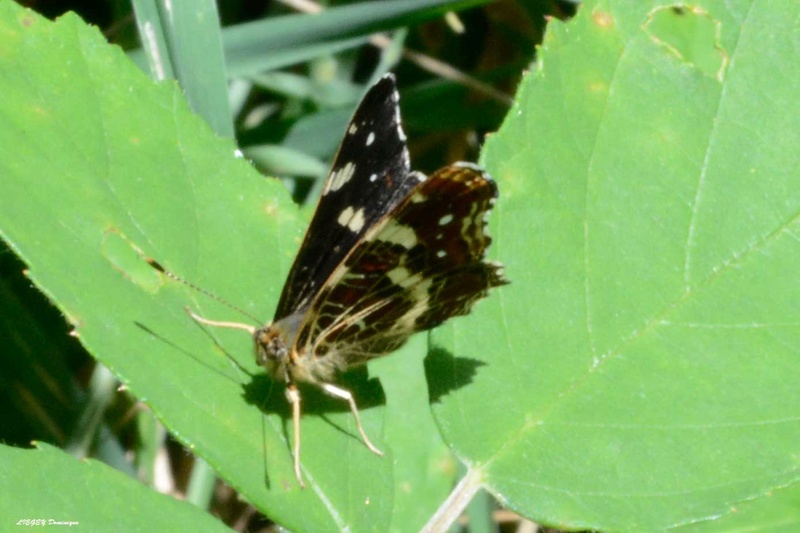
[389,252]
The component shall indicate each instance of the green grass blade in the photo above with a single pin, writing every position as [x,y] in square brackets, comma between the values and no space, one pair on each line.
[194,43]
[152,33]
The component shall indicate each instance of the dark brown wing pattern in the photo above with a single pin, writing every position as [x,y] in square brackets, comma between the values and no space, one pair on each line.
[420,264]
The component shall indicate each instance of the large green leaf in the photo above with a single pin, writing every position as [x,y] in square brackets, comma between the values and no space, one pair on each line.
[88,495]
[102,167]
[642,369]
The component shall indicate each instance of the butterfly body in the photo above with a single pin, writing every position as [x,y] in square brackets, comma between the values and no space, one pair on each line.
[275,351]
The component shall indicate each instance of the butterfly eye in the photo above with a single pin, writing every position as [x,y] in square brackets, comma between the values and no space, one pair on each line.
[271,348]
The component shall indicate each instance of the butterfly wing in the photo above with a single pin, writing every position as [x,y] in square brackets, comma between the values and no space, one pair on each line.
[370,175]
[421,264]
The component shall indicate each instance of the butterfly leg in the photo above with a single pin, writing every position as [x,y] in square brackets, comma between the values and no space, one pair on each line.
[347,395]
[293,395]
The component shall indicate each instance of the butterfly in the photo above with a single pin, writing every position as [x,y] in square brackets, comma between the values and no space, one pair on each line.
[389,252]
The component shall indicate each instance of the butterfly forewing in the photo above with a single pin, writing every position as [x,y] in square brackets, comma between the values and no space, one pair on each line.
[370,175]
[419,265]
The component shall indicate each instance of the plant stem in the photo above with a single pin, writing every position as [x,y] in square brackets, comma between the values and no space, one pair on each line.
[455,504]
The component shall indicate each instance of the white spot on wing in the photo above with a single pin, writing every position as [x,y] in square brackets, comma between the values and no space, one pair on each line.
[345,216]
[353,220]
[357,222]
[373,177]
[396,233]
[370,138]
[418,287]
[396,99]
[448,218]
[352,129]
[402,277]
[419,176]
[338,178]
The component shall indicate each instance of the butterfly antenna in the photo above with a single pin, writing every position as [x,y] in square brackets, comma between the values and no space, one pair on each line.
[153,263]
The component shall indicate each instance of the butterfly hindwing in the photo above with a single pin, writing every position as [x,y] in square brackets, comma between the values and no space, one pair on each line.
[370,175]
[419,265]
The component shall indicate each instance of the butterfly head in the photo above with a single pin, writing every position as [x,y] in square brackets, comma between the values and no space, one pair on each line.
[274,343]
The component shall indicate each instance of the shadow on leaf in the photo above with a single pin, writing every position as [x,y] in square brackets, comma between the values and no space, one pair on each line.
[446,373]
[269,395]
[174,345]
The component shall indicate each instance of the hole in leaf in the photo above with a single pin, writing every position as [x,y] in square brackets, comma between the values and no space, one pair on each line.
[690,33]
